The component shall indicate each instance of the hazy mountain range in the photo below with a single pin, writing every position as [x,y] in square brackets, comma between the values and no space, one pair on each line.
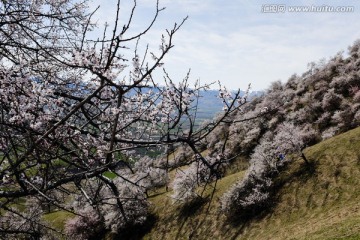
[209,103]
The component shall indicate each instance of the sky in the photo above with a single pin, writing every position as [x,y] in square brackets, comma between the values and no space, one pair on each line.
[241,42]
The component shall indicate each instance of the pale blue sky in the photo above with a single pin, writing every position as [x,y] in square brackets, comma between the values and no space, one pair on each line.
[236,43]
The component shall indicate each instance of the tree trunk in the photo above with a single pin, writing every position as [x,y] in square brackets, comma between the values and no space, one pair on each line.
[304,158]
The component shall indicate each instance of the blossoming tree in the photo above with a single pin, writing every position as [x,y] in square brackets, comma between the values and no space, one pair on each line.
[73,107]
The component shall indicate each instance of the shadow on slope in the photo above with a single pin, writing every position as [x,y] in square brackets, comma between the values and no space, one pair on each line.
[320,201]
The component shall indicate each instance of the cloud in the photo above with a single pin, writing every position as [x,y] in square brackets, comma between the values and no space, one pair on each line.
[233,41]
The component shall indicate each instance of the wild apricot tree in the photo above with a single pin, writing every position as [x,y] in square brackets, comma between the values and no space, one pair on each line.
[73,107]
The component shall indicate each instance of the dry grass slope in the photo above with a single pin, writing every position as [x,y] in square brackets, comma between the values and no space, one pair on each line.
[317,202]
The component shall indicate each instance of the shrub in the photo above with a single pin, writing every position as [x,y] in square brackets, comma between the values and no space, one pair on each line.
[86,226]
[184,185]
[330,132]
[133,210]
[331,100]
[108,209]
[188,180]
[248,196]
[24,224]
[148,176]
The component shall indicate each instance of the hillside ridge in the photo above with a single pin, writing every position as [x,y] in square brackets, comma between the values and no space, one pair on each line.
[318,203]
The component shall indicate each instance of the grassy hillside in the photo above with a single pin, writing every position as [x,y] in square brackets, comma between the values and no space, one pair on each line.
[320,202]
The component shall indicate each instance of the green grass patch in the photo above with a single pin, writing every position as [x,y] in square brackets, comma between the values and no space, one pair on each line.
[110,175]
[58,219]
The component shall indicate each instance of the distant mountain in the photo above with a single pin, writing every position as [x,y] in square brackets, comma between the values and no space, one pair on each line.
[209,103]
